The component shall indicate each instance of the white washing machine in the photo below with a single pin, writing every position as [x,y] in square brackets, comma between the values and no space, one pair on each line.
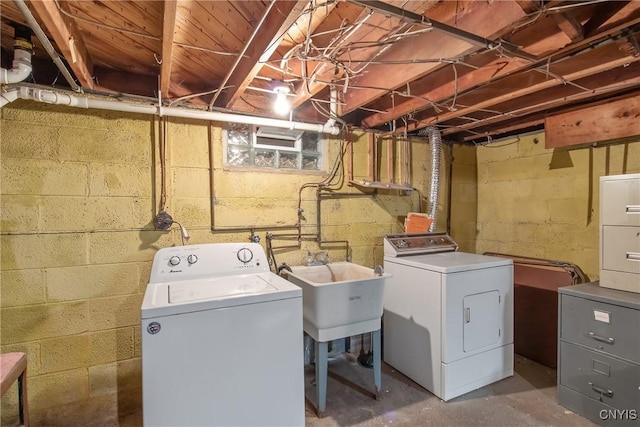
[448,315]
[222,340]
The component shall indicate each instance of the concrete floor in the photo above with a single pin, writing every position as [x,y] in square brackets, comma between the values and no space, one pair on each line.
[526,399]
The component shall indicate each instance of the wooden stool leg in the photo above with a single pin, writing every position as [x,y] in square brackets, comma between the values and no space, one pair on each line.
[23,403]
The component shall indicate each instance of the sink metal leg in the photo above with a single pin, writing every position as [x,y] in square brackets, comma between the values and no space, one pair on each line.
[321,375]
[377,363]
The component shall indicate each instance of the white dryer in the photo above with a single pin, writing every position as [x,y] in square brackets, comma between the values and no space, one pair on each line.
[448,315]
[222,340]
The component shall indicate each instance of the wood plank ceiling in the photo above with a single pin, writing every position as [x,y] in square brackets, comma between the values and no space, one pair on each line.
[474,69]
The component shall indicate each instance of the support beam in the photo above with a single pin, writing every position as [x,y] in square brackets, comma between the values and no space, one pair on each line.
[569,25]
[68,39]
[519,86]
[483,18]
[611,120]
[516,115]
[168,32]
[602,14]
[280,15]
[445,87]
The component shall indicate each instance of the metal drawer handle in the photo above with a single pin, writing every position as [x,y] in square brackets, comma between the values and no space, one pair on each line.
[602,339]
[633,256]
[608,393]
[633,209]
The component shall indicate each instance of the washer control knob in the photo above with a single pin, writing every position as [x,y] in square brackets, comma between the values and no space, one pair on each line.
[174,260]
[192,259]
[245,255]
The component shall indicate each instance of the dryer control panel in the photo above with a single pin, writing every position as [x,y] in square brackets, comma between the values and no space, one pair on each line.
[418,243]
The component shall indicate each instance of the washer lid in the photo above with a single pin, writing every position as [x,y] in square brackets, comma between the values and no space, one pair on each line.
[181,292]
[186,296]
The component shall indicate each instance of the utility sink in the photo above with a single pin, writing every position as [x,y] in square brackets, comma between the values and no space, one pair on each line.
[340,299]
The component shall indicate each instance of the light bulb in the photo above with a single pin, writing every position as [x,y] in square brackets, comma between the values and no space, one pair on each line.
[281,106]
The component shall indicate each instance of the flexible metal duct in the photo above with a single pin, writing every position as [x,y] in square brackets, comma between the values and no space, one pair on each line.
[435,140]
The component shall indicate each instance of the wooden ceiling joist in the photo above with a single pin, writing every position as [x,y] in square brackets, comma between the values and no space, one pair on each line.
[260,48]
[569,25]
[519,86]
[482,21]
[68,39]
[168,33]
[484,74]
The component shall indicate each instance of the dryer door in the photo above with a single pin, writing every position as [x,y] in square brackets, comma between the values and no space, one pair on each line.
[482,316]
[477,311]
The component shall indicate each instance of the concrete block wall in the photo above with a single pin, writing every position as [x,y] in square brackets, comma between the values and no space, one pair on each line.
[79,190]
[544,203]
[464,197]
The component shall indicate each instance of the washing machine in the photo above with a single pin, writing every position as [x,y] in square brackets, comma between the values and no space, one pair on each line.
[448,315]
[222,340]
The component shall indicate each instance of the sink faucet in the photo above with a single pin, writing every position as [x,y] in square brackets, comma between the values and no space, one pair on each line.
[378,271]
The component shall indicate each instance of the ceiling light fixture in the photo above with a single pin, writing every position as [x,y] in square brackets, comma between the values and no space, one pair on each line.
[281,105]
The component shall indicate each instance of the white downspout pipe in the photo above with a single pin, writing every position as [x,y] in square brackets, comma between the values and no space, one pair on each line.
[84,101]
[22,50]
[46,44]
[7,96]
[333,107]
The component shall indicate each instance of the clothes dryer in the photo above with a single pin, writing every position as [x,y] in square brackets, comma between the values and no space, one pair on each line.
[448,315]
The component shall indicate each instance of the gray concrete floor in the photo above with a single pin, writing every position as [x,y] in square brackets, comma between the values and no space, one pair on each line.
[526,399]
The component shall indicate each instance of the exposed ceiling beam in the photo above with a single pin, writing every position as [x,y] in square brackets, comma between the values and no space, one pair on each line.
[280,15]
[68,39]
[446,87]
[168,33]
[517,116]
[421,20]
[520,86]
[601,14]
[481,18]
[529,6]
[569,25]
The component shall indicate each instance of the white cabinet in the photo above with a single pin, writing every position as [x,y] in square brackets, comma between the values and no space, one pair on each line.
[620,232]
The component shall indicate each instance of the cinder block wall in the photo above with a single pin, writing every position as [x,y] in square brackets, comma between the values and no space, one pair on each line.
[79,191]
[544,203]
[464,197]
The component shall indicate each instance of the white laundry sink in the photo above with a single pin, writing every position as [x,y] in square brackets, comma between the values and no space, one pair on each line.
[340,299]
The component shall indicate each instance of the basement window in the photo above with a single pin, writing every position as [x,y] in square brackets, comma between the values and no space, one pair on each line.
[267,147]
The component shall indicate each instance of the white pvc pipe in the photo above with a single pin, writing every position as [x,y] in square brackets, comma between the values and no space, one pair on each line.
[46,44]
[8,96]
[84,101]
[333,106]
[21,68]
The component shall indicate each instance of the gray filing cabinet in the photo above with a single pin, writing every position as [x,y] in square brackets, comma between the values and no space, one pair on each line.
[620,232]
[599,353]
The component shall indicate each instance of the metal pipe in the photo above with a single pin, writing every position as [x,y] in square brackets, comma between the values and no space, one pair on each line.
[435,140]
[46,44]
[422,20]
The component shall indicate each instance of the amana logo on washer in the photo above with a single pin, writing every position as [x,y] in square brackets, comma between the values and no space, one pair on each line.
[153,328]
